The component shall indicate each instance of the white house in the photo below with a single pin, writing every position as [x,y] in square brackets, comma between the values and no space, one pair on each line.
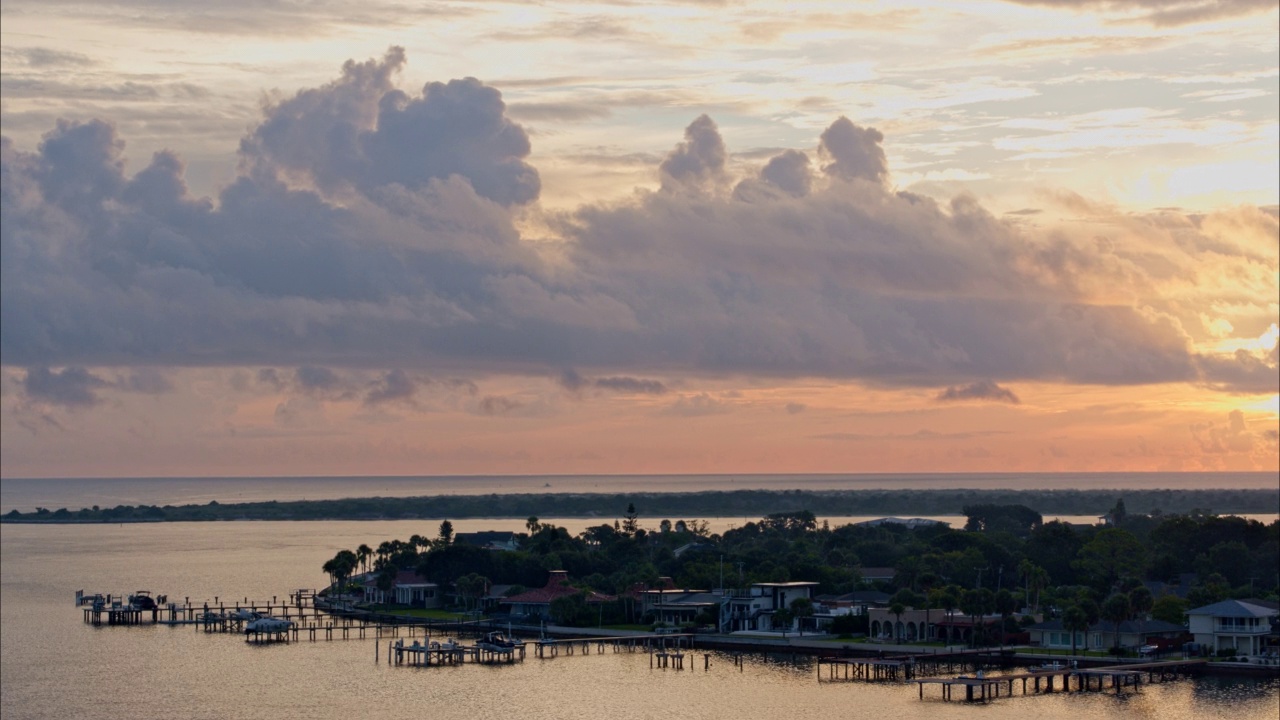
[1102,634]
[1237,624]
[754,608]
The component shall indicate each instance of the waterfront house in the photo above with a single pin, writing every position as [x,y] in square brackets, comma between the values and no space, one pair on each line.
[1102,634]
[489,540]
[416,591]
[1241,625]
[537,603]
[673,606]
[753,609]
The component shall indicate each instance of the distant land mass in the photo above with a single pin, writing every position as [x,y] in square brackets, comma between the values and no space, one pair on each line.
[686,505]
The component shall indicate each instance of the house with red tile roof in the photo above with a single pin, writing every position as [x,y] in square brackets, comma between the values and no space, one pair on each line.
[537,603]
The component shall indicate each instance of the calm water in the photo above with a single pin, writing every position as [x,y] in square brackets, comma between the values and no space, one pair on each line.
[53,666]
[75,493]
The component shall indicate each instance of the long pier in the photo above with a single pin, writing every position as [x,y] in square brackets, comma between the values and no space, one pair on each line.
[983,688]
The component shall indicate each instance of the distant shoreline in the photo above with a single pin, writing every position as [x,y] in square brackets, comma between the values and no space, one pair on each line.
[689,505]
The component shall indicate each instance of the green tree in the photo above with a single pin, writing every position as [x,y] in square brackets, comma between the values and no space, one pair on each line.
[1005,604]
[896,609]
[446,533]
[1075,621]
[1141,601]
[532,524]
[630,521]
[1170,608]
[782,618]
[1110,555]
[801,608]
[1116,610]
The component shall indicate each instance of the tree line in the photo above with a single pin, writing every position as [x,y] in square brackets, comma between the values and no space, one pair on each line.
[745,503]
[1005,558]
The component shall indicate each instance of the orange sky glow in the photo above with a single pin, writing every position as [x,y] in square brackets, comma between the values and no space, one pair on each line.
[675,237]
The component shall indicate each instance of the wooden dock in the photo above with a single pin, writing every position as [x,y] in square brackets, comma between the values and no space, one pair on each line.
[983,688]
[433,653]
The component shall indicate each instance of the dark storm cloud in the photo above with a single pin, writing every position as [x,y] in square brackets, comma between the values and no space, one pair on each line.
[371,229]
[1163,13]
[981,390]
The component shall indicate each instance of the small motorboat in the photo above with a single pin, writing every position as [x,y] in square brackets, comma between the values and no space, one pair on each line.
[142,600]
[497,642]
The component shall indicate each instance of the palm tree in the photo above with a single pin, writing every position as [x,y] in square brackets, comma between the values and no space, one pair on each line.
[948,600]
[1005,605]
[1074,620]
[363,553]
[1141,601]
[1117,609]
[802,608]
[897,609]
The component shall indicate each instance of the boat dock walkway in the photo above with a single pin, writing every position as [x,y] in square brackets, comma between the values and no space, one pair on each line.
[981,688]
[435,653]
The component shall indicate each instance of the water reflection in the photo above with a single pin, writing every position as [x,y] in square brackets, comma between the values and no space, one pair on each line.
[54,666]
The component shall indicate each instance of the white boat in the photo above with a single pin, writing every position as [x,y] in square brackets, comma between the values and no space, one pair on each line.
[268,625]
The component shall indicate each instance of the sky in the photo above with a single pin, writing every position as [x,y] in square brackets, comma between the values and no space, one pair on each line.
[486,237]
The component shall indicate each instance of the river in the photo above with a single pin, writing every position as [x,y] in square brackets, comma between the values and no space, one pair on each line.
[52,665]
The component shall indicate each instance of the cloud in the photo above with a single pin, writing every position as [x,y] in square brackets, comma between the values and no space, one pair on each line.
[919,435]
[696,406]
[71,387]
[395,385]
[795,408]
[699,161]
[1235,437]
[854,152]
[981,390]
[572,381]
[40,57]
[375,231]
[361,131]
[498,405]
[1164,13]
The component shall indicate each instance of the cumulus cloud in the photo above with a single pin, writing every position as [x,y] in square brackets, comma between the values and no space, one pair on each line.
[853,152]
[372,228]
[360,130]
[699,161]
[982,390]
